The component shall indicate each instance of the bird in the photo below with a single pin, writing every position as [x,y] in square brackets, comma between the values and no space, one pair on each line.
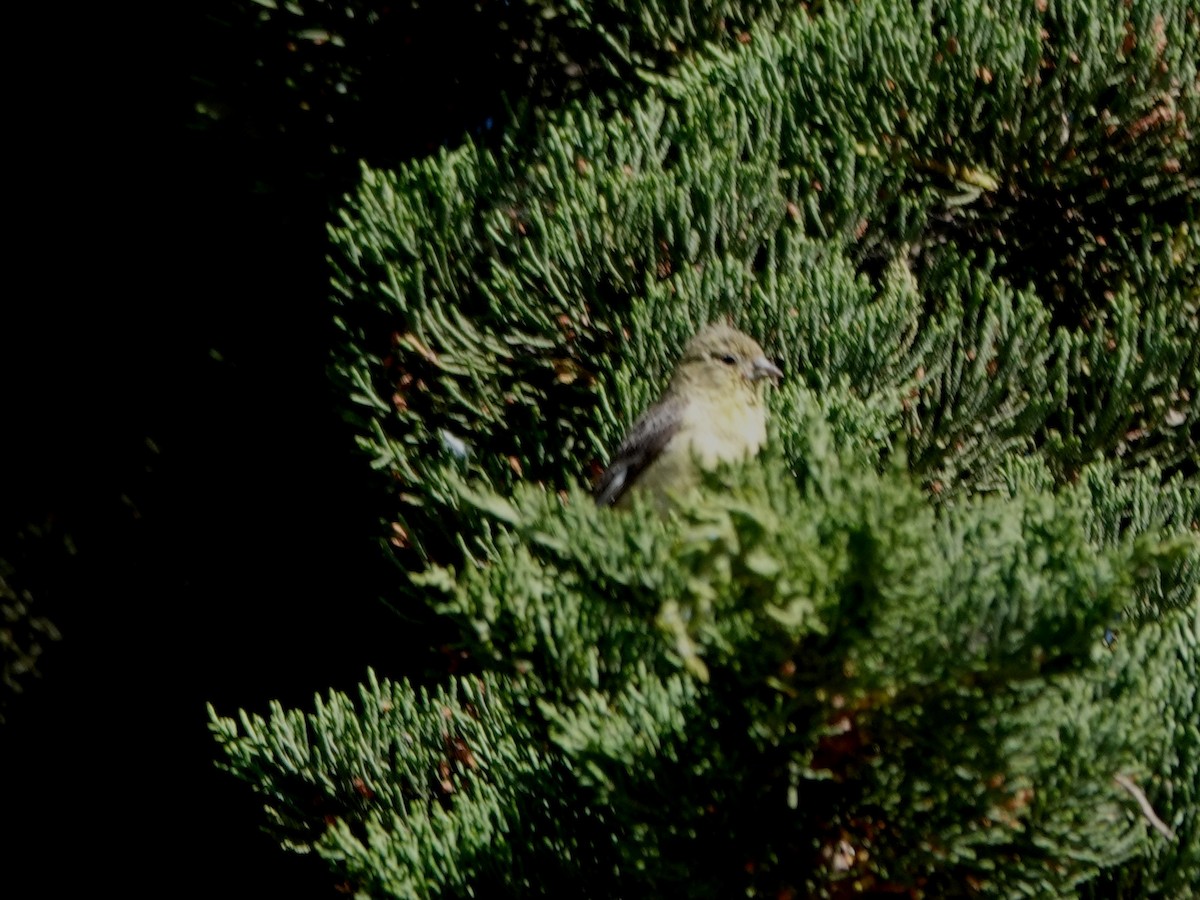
[712,411]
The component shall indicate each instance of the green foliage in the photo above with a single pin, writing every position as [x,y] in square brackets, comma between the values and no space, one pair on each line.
[1135,385]
[881,657]
[508,294]
[395,785]
[819,658]
[25,632]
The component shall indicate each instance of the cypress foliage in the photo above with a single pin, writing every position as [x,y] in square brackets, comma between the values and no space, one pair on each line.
[25,632]
[942,636]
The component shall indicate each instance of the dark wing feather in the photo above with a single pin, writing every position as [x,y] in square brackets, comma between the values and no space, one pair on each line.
[641,446]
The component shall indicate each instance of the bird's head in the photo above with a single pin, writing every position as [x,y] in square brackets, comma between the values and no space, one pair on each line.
[720,356]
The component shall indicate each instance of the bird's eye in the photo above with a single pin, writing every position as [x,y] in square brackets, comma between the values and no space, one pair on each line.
[728,359]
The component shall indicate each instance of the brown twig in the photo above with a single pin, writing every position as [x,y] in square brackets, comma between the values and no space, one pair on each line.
[1147,810]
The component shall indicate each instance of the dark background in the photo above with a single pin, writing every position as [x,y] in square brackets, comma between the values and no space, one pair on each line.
[168,414]
[181,496]
[180,493]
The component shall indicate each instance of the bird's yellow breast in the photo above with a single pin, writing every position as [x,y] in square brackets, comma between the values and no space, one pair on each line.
[716,427]
[723,428]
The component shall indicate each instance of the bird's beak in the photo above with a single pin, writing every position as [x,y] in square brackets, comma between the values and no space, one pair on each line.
[764,368]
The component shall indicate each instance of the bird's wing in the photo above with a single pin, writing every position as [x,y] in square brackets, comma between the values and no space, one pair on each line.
[646,439]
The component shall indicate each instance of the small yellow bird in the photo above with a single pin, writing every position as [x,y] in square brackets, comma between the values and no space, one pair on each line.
[712,411]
